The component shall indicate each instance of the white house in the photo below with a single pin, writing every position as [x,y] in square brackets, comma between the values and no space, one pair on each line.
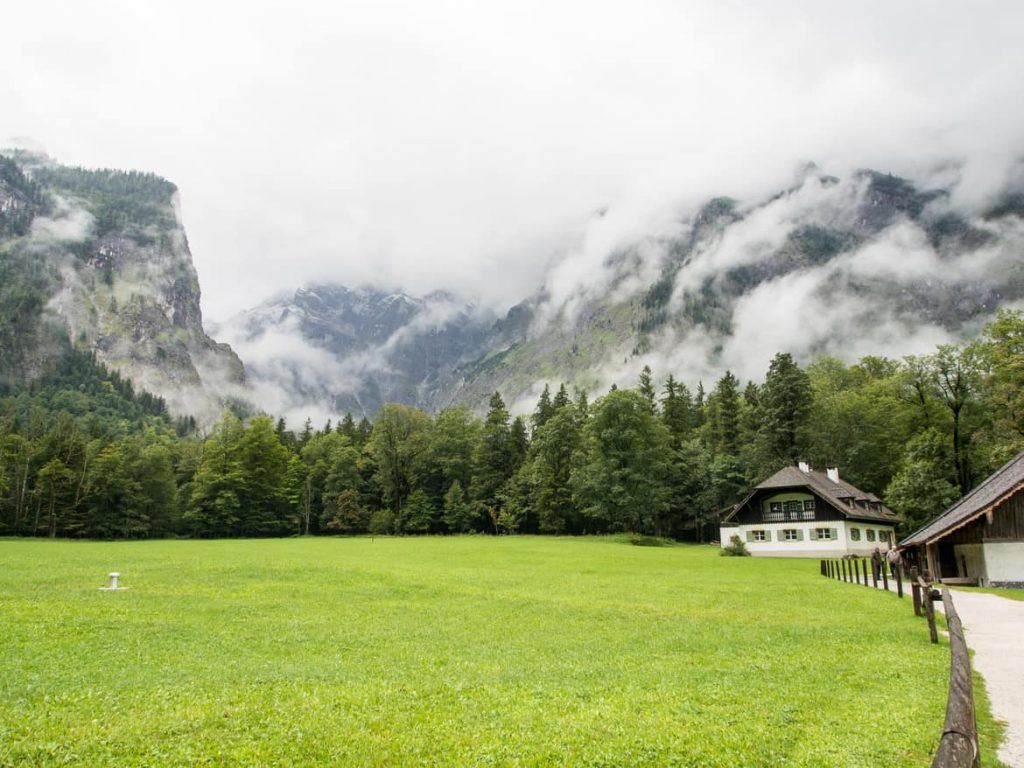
[799,512]
[981,537]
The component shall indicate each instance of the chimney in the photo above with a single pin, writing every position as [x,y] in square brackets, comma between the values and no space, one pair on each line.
[833,474]
[804,467]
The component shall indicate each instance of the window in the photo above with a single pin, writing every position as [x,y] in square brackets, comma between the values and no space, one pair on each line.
[855,534]
[791,534]
[774,513]
[883,536]
[808,510]
[793,509]
[871,534]
[759,535]
[823,534]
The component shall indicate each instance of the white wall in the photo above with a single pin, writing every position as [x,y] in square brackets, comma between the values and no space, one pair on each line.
[809,547]
[1004,561]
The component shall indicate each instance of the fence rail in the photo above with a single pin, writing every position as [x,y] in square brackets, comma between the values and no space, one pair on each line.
[958,746]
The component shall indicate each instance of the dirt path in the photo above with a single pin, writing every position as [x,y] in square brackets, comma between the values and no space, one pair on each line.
[994,628]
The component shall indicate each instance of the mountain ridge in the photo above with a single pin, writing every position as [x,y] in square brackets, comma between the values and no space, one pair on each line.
[867,264]
[99,259]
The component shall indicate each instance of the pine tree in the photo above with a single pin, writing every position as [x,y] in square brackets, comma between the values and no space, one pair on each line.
[519,442]
[785,402]
[725,416]
[543,411]
[561,398]
[646,386]
[582,404]
[458,513]
[307,433]
[348,429]
[495,456]
[556,453]
[677,411]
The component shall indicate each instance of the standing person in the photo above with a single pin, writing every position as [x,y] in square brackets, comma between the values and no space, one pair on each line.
[895,560]
[877,562]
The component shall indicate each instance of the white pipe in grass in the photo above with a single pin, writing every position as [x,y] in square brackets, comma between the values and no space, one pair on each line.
[113,585]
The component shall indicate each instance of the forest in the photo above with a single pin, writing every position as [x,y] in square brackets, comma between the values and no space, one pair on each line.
[83,454]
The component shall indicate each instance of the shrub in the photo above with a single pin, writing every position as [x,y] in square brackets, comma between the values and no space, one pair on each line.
[735,548]
[639,540]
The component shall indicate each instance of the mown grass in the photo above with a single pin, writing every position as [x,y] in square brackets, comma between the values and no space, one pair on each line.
[454,651]
[1010,594]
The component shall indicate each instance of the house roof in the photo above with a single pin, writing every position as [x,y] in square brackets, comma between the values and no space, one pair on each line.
[838,494]
[1004,482]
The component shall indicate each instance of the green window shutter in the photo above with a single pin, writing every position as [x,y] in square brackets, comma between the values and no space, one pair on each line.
[767,535]
[799,534]
[834,534]
[750,535]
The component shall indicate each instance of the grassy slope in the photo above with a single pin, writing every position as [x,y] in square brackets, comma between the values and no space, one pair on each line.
[455,651]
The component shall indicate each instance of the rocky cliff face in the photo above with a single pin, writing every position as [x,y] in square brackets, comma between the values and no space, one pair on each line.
[114,276]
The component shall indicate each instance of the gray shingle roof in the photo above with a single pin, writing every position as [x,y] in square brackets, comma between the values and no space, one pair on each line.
[838,494]
[1003,482]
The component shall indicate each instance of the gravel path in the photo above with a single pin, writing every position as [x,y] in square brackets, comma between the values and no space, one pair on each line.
[994,628]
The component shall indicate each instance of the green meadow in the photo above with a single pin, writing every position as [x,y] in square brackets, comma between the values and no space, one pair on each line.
[456,651]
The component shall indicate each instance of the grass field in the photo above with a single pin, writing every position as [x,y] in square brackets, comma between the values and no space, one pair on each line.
[454,651]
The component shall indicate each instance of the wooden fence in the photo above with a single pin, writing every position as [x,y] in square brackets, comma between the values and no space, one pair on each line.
[958,747]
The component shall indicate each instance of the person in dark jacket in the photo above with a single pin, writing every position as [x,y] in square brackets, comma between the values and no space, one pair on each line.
[877,562]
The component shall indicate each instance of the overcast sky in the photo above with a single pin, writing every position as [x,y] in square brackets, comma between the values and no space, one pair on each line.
[463,145]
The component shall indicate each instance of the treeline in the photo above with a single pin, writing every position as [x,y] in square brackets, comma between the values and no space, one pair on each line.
[661,458]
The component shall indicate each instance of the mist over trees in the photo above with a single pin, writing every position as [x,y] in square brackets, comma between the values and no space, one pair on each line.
[87,456]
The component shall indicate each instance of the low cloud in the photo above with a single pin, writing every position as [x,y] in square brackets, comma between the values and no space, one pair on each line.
[467,146]
[67,223]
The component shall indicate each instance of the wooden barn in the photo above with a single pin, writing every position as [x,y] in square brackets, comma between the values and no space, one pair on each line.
[981,537]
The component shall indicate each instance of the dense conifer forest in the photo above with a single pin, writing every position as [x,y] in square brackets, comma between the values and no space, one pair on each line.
[82,454]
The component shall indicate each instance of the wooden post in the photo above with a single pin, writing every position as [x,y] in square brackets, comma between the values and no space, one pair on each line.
[885,577]
[929,612]
[899,582]
[865,569]
[856,571]
[874,574]
[821,567]
[846,573]
[915,591]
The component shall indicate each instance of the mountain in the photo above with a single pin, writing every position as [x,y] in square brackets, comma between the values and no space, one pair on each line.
[336,349]
[97,261]
[869,264]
